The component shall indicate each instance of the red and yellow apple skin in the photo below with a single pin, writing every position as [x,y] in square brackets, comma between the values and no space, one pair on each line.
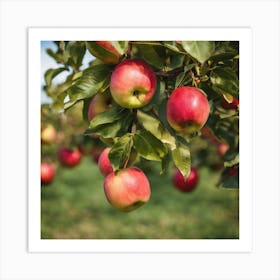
[185,184]
[105,51]
[127,189]
[234,105]
[69,157]
[104,163]
[133,83]
[99,104]
[48,134]
[108,46]
[187,110]
[222,148]
[47,173]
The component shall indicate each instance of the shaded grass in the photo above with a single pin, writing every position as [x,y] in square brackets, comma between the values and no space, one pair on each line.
[75,207]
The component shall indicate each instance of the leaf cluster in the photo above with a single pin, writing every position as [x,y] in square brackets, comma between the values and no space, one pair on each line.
[211,66]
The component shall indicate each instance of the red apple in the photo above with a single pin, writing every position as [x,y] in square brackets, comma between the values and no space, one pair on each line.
[69,157]
[187,110]
[188,184]
[99,103]
[107,51]
[127,189]
[48,134]
[104,164]
[222,148]
[47,173]
[230,106]
[233,171]
[133,83]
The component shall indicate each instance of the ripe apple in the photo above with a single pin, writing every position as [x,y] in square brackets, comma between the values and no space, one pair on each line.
[104,163]
[133,83]
[188,184]
[222,148]
[187,110]
[48,134]
[47,173]
[127,189]
[233,171]
[99,103]
[105,50]
[69,157]
[230,106]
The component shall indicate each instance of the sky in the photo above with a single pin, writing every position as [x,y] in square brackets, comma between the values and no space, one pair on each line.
[48,62]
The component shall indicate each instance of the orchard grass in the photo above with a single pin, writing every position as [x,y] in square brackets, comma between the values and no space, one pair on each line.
[74,207]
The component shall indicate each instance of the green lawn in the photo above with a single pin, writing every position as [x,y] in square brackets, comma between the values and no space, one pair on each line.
[75,207]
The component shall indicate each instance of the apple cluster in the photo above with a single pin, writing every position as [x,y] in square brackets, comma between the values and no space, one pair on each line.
[67,156]
[150,100]
[48,170]
[133,85]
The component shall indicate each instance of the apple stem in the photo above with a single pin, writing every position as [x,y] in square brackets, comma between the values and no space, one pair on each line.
[171,73]
[133,128]
[126,162]
[135,121]
[195,80]
[128,53]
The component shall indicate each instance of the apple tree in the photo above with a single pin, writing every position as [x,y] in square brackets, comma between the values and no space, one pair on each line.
[160,100]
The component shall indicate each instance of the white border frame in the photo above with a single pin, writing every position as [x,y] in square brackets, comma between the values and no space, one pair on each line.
[16,263]
[244,243]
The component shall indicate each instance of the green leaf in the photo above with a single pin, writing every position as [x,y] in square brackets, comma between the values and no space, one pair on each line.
[112,123]
[200,50]
[183,76]
[163,117]
[222,56]
[107,130]
[86,108]
[173,47]
[149,54]
[120,151]
[60,58]
[165,164]
[174,61]
[229,181]
[156,99]
[52,73]
[148,146]
[92,81]
[109,116]
[232,162]
[121,46]
[154,126]
[225,81]
[182,159]
[75,51]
